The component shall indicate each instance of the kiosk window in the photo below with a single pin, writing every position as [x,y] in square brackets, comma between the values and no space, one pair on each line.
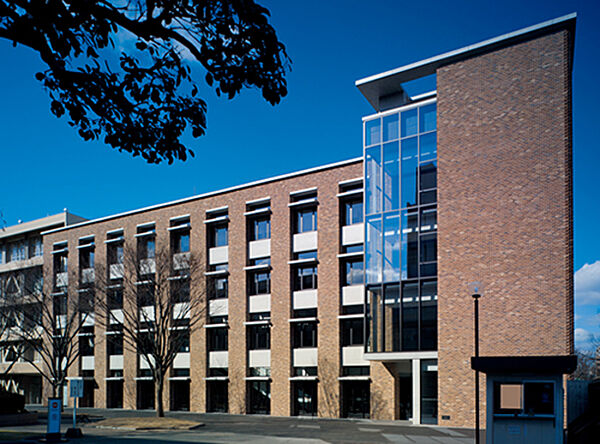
[529,398]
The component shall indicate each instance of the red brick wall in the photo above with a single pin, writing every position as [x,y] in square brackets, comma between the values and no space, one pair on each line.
[505,204]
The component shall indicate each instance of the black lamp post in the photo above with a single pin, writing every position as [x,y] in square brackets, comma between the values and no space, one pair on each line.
[476,291]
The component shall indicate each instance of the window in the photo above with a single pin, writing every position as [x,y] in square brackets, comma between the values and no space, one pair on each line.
[145,296]
[259,282]
[259,337]
[306,220]
[352,332]
[305,278]
[218,235]
[60,263]
[304,334]
[217,339]
[526,398]
[180,291]
[353,272]
[18,251]
[115,299]
[218,285]
[259,397]
[115,344]
[36,247]
[86,344]
[260,228]
[147,248]
[115,254]
[353,212]
[86,258]
[181,241]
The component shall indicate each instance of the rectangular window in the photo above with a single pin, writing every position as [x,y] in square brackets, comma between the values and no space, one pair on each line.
[259,282]
[218,285]
[181,241]
[259,397]
[408,122]
[372,132]
[410,316]
[391,176]
[86,258]
[259,337]
[115,254]
[260,228]
[408,166]
[353,272]
[374,249]
[409,245]
[352,332]
[36,247]
[391,247]
[304,334]
[373,180]
[114,344]
[218,235]
[305,278]
[353,212]
[390,127]
[217,339]
[306,220]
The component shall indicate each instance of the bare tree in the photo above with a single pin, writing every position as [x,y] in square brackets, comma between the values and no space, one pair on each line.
[588,363]
[147,293]
[43,327]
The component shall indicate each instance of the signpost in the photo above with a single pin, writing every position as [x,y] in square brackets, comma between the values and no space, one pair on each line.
[76,391]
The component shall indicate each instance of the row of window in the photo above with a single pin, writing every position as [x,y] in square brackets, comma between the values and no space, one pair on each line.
[21,250]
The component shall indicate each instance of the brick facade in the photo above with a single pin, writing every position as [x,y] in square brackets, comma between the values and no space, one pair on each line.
[505,211]
[329,228]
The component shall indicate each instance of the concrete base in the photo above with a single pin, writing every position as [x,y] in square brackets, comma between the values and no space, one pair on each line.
[74,433]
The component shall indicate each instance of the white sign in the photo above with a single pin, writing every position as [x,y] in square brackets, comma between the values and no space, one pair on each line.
[54,415]
[76,386]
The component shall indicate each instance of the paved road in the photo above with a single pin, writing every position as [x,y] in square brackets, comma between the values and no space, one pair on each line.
[222,428]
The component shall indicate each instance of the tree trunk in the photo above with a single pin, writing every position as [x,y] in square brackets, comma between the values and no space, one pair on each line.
[160,412]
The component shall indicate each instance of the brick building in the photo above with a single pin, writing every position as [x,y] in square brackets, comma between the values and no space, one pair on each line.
[319,305]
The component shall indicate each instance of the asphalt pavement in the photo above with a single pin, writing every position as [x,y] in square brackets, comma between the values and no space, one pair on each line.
[226,428]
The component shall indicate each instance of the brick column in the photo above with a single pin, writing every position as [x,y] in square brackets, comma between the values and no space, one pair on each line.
[280,302]
[328,297]
[237,306]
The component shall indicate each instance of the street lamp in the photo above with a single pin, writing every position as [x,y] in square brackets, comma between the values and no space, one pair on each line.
[476,290]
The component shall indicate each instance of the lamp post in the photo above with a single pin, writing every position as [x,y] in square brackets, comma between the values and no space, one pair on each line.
[476,291]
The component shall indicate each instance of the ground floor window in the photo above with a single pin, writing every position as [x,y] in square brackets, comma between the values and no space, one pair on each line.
[259,397]
[429,390]
[355,399]
[304,394]
[114,394]
[145,395]
[216,396]
[180,395]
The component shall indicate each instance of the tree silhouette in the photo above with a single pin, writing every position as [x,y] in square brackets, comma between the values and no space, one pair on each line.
[122,69]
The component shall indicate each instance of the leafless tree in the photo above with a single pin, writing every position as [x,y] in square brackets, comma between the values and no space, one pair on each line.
[147,294]
[43,326]
[588,363]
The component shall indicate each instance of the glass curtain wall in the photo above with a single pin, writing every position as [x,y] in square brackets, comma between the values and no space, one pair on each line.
[401,229]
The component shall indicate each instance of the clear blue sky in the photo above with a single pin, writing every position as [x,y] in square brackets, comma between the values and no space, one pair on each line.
[47,167]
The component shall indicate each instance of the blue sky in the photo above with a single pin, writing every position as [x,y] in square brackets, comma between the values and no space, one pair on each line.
[47,167]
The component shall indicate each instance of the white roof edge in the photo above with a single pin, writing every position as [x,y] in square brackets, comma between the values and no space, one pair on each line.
[467,49]
[209,194]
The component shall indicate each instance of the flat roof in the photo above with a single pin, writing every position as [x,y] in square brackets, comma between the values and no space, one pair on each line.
[389,82]
[210,194]
[63,218]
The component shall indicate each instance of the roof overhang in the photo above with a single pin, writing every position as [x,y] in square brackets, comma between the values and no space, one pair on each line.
[557,365]
[390,82]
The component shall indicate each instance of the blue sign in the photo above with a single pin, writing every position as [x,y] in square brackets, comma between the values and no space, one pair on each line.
[53,415]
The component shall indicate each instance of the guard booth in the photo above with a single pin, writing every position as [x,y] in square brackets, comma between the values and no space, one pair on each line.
[524,397]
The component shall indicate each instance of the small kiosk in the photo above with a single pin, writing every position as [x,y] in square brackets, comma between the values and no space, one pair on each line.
[524,397]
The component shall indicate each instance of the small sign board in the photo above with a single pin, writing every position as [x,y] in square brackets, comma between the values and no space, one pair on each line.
[76,386]
[54,415]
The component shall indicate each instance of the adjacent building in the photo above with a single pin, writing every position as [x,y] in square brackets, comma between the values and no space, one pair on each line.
[342,291]
[21,259]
